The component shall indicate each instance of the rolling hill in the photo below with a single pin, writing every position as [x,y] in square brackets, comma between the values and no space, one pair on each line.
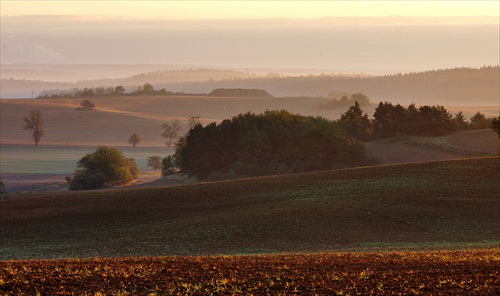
[445,203]
[116,118]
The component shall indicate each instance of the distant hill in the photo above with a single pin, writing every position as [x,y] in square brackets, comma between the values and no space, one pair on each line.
[452,87]
[447,203]
[458,87]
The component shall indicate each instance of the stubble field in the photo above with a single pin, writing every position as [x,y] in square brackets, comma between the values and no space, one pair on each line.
[389,273]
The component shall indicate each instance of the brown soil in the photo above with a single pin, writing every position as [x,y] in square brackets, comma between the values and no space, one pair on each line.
[412,203]
[424,273]
[482,140]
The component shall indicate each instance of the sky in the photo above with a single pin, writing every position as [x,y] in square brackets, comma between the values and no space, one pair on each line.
[335,36]
[250,9]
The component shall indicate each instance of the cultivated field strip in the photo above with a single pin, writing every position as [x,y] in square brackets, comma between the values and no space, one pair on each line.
[392,273]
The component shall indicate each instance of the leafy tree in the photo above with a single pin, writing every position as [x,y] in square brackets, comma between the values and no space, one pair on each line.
[362,99]
[168,166]
[88,92]
[434,121]
[357,124]
[387,119]
[119,90]
[460,122]
[148,89]
[106,165]
[132,167]
[154,162]
[479,121]
[88,105]
[171,132]
[134,140]
[495,125]
[34,122]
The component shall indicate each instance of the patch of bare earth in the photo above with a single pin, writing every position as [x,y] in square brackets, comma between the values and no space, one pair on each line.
[482,140]
[418,149]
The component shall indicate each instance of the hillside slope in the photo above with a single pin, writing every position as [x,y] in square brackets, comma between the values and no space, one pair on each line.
[116,118]
[435,202]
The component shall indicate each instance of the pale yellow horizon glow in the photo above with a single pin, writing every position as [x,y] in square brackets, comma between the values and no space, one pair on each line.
[186,10]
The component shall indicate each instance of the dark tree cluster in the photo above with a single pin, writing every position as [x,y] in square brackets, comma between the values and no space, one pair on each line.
[146,89]
[345,102]
[240,92]
[273,142]
[86,92]
[393,120]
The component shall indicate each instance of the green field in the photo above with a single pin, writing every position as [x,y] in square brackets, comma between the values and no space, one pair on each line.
[31,159]
[445,204]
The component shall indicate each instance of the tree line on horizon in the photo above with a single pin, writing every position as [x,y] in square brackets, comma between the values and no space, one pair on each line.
[461,84]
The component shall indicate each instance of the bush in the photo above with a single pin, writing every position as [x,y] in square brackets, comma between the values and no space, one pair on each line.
[168,166]
[87,181]
[104,166]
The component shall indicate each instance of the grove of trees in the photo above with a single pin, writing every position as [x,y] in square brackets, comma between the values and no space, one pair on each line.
[34,122]
[273,142]
[105,166]
[394,120]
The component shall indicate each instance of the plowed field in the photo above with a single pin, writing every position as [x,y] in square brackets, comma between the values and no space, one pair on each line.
[419,273]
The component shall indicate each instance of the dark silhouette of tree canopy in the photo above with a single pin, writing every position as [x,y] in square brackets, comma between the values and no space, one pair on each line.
[134,139]
[460,122]
[479,121]
[269,143]
[495,125]
[119,90]
[168,166]
[393,120]
[87,104]
[356,123]
[240,92]
[34,122]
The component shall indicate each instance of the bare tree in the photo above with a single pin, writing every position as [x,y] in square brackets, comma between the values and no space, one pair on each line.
[134,140]
[34,122]
[193,121]
[171,132]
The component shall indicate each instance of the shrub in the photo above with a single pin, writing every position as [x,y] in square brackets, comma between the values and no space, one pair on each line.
[104,166]
[87,181]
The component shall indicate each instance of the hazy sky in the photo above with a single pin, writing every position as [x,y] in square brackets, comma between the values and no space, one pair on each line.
[249,9]
[344,36]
